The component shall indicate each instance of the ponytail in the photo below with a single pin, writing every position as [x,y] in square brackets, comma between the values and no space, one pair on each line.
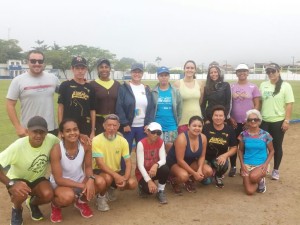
[277,86]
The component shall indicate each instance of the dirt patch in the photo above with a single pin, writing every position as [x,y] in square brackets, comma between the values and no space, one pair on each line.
[210,205]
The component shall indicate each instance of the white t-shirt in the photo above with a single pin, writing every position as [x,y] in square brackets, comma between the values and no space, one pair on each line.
[141,103]
[36,96]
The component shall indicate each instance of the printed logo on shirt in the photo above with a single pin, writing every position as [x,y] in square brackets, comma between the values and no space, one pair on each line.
[219,141]
[80,94]
[137,112]
[38,88]
[39,164]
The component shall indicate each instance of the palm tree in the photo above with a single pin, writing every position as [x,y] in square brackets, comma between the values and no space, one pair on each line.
[157,60]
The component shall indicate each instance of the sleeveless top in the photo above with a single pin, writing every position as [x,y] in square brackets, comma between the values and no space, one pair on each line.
[71,169]
[189,155]
[190,102]
[151,155]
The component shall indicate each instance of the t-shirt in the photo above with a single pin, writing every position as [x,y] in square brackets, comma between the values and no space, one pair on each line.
[78,101]
[36,96]
[25,161]
[273,107]
[242,100]
[141,103]
[218,141]
[256,151]
[164,114]
[110,150]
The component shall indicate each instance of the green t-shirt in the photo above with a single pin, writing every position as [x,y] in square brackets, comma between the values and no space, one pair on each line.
[111,151]
[273,107]
[25,161]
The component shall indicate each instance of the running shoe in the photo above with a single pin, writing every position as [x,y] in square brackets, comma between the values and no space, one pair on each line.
[275,175]
[101,203]
[16,216]
[262,188]
[219,182]
[55,216]
[84,209]
[161,196]
[232,172]
[190,186]
[176,188]
[35,212]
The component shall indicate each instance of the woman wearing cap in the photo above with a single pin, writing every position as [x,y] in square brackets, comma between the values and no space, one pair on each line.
[72,174]
[245,96]
[255,153]
[106,91]
[186,158]
[216,92]
[277,103]
[135,106]
[191,92]
[151,164]
[168,106]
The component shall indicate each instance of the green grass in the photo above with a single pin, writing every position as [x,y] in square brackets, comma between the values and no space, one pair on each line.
[8,134]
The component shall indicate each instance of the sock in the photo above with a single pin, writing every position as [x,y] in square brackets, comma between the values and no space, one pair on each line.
[161,187]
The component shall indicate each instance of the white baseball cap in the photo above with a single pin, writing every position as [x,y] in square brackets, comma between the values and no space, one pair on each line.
[242,67]
[154,126]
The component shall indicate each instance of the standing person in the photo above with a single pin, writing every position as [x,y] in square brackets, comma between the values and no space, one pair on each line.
[191,92]
[35,90]
[216,92]
[151,163]
[186,158]
[255,153]
[168,106]
[76,99]
[28,158]
[135,106]
[245,96]
[72,173]
[106,91]
[277,104]
[108,149]
[222,143]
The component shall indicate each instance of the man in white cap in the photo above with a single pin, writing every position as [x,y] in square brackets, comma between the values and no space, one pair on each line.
[245,96]
[28,158]
[151,164]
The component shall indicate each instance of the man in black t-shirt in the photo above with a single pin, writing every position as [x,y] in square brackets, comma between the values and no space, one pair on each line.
[77,99]
[221,143]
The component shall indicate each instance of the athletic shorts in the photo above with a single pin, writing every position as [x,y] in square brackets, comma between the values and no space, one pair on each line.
[169,136]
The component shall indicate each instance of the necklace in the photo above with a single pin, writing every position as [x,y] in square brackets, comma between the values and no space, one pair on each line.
[253,133]
[69,156]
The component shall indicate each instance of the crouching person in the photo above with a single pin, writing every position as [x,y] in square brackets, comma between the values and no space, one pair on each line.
[151,164]
[108,149]
[72,174]
[28,158]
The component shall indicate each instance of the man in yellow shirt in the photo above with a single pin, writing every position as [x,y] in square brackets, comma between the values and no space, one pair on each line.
[108,149]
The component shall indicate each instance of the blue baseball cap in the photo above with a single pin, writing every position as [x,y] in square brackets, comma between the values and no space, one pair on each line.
[137,66]
[162,69]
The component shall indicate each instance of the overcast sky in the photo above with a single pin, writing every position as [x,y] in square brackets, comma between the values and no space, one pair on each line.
[231,31]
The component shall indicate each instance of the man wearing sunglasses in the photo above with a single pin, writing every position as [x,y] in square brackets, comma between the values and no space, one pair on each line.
[35,89]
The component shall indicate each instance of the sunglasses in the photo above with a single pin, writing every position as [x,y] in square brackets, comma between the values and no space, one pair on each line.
[253,120]
[270,71]
[34,61]
[157,132]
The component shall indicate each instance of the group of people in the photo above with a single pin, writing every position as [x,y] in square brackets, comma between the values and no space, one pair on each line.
[186,132]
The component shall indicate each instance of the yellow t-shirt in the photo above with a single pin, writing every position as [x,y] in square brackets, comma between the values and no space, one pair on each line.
[25,161]
[110,150]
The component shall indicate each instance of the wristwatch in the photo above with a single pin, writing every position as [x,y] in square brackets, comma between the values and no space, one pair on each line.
[10,183]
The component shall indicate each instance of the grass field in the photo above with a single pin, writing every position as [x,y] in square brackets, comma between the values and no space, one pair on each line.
[8,135]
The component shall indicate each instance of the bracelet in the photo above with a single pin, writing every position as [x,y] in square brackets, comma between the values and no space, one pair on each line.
[287,121]
[92,177]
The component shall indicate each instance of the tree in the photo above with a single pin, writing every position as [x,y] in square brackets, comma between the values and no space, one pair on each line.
[41,46]
[157,60]
[9,49]
[124,64]
[59,59]
[55,46]
[151,68]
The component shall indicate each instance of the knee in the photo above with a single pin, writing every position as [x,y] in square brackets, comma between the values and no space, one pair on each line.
[47,194]
[132,184]
[208,171]
[64,198]
[183,177]
[100,183]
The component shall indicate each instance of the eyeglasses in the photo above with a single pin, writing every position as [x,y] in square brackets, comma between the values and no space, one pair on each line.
[270,71]
[253,120]
[157,132]
[34,61]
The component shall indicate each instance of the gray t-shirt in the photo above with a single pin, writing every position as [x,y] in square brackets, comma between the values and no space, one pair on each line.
[36,96]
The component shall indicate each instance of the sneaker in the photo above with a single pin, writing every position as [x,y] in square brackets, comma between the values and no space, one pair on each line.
[55,216]
[190,186]
[206,181]
[232,172]
[175,186]
[262,188]
[219,182]
[142,194]
[84,209]
[275,175]
[161,197]
[110,194]
[35,212]
[16,216]
[101,203]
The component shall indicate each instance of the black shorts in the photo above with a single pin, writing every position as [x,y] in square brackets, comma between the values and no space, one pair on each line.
[113,184]
[33,183]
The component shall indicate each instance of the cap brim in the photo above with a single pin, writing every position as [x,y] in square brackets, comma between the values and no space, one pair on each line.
[37,128]
[80,64]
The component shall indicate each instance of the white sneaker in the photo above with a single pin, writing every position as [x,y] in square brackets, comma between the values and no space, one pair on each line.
[101,203]
[275,175]
[110,194]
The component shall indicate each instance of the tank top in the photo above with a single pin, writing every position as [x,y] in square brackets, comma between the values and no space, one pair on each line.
[190,101]
[71,169]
